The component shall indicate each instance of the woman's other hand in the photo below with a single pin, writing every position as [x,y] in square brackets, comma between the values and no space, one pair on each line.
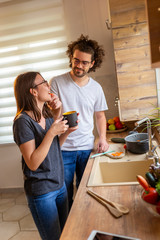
[54,103]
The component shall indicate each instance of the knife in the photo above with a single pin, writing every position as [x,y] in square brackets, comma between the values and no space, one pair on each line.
[99,154]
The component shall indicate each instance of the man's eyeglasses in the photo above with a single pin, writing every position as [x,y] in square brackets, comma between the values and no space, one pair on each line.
[44,82]
[76,61]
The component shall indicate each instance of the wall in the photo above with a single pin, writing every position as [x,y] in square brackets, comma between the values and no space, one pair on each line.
[10,167]
[88,17]
[81,16]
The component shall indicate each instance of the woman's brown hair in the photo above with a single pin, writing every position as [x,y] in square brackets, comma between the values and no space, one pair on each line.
[25,100]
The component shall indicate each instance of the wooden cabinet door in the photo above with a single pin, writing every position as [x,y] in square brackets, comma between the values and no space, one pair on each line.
[153,14]
[136,79]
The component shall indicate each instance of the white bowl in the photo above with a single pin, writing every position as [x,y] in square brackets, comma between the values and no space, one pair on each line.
[151,208]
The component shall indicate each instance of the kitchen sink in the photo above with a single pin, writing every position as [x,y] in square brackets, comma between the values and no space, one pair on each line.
[107,171]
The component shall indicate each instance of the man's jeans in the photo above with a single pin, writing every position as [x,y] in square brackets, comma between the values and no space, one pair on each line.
[50,212]
[74,161]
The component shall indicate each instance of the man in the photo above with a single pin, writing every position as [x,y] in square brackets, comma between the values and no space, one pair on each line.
[79,92]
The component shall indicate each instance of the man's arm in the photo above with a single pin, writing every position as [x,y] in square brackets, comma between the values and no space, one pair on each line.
[102,145]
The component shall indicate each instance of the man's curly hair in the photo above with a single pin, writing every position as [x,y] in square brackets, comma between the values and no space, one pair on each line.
[84,44]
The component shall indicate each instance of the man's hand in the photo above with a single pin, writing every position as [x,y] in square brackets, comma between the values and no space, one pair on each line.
[102,145]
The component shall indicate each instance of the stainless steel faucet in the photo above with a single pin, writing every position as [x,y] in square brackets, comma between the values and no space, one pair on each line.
[149,131]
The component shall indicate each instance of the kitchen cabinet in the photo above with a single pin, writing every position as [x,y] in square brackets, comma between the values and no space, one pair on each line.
[153,14]
[136,79]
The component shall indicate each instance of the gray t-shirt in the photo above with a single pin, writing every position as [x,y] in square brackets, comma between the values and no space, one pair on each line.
[85,100]
[50,174]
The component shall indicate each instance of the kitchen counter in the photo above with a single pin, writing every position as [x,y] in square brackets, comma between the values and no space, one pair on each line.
[87,214]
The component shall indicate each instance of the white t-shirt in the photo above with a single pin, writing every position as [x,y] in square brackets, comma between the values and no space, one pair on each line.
[85,100]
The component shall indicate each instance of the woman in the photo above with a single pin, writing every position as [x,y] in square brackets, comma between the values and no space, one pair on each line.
[36,134]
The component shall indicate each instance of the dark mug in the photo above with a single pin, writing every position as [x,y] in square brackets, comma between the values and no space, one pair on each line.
[71,117]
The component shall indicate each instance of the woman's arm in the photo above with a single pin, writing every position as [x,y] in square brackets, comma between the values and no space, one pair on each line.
[63,136]
[35,156]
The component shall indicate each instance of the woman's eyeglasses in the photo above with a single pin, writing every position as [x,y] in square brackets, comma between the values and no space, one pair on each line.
[76,61]
[44,82]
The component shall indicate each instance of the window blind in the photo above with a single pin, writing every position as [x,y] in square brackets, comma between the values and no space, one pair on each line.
[33,38]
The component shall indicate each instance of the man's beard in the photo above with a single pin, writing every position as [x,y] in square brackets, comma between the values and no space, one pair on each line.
[78,72]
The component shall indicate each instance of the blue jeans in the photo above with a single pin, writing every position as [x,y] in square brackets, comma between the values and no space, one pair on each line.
[49,212]
[74,162]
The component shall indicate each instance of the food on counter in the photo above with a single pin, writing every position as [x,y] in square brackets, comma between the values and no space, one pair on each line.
[116,119]
[110,121]
[150,194]
[125,146]
[112,127]
[142,181]
[114,124]
[119,125]
[116,154]
[150,179]
[158,186]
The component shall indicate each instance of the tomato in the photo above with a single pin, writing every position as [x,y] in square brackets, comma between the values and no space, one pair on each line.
[142,181]
[119,125]
[116,119]
[150,196]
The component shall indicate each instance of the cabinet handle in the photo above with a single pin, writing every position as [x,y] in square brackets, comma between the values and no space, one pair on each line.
[108,24]
[116,101]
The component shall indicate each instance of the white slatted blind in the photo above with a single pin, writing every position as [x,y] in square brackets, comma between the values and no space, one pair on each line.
[32,37]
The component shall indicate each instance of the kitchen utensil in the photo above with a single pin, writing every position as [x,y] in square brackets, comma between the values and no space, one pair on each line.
[117,131]
[118,153]
[118,140]
[121,140]
[118,206]
[99,154]
[145,140]
[115,212]
[71,117]
[135,142]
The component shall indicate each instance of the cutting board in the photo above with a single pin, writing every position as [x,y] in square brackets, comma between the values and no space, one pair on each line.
[119,151]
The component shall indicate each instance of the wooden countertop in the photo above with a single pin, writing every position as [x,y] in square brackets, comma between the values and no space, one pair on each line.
[87,214]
